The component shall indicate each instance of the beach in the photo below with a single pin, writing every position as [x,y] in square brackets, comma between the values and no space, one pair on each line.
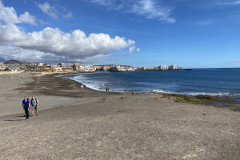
[76,123]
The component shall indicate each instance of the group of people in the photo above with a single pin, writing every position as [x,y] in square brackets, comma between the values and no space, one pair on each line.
[32,104]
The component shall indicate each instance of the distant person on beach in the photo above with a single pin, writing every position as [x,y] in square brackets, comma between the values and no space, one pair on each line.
[107,89]
[34,104]
[26,106]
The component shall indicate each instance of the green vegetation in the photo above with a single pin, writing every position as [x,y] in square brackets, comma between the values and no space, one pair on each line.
[220,102]
[188,99]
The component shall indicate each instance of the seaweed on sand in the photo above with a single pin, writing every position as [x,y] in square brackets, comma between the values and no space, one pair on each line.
[221,102]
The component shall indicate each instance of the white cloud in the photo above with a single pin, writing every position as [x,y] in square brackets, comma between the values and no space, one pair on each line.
[53,42]
[131,49]
[54,11]
[10,52]
[90,59]
[75,44]
[8,18]
[229,2]
[48,9]
[137,50]
[151,9]
[8,14]
[68,15]
[108,3]
[27,18]
[10,33]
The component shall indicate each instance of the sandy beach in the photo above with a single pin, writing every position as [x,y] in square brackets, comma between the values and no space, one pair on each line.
[75,123]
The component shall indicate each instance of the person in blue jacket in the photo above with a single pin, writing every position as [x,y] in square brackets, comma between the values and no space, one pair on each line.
[26,106]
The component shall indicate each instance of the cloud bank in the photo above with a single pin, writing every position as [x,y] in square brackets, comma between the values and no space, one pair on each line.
[75,44]
[53,42]
[12,52]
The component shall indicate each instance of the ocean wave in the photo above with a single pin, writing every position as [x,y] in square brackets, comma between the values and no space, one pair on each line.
[177,84]
[87,83]
[100,86]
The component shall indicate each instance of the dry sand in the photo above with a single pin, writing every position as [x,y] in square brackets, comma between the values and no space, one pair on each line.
[13,88]
[77,123]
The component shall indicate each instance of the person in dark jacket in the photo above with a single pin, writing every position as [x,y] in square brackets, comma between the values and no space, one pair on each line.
[26,106]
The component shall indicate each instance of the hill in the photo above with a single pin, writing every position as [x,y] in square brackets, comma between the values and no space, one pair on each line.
[13,62]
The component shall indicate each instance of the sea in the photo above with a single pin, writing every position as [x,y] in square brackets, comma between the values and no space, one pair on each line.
[212,82]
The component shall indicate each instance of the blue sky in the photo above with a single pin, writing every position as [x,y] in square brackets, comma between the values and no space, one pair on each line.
[189,33]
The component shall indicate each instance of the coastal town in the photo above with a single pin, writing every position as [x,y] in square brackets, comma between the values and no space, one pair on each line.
[17,66]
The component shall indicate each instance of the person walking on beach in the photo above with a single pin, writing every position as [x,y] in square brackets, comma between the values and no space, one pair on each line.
[26,106]
[34,104]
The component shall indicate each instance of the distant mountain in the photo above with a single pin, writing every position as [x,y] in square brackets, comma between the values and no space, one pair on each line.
[12,62]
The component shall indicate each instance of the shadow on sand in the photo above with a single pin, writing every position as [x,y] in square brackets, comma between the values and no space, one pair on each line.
[12,120]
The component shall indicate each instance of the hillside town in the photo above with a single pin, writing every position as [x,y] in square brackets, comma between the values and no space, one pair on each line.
[17,66]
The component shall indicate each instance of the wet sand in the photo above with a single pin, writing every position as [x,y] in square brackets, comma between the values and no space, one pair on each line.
[77,123]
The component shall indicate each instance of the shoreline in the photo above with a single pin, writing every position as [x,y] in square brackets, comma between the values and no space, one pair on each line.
[216,101]
[195,93]
[208,100]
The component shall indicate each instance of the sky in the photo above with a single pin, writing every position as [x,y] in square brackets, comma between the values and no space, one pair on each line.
[188,33]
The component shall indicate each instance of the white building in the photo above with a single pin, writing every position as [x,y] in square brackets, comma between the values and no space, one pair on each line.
[165,67]
[88,69]
[106,68]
